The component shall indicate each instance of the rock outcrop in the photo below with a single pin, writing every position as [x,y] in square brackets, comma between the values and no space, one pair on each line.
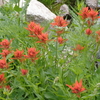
[38,12]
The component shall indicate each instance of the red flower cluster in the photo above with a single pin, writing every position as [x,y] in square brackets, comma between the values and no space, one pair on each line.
[5,44]
[78,47]
[88,31]
[61,40]
[98,32]
[98,36]
[60,29]
[60,22]
[2,78]
[77,87]
[5,52]
[24,71]
[36,31]
[3,63]
[88,13]
[32,54]
[8,87]
[18,54]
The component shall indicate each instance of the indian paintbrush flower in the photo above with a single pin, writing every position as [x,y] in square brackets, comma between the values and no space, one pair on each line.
[61,40]
[24,71]
[3,63]
[77,88]
[18,54]
[2,78]
[59,21]
[98,32]
[88,31]
[5,52]
[5,44]
[88,13]
[78,47]
[43,38]
[32,54]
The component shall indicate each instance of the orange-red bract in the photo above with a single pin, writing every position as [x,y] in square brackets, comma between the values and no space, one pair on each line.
[84,13]
[31,26]
[2,78]
[61,40]
[78,47]
[5,52]
[5,44]
[88,13]
[98,32]
[18,54]
[77,87]
[32,54]
[88,31]
[24,71]
[43,38]
[8,87]
[93,14]
[59,21]
[3,63]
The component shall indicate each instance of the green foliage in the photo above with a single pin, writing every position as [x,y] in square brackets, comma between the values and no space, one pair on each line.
[57,64]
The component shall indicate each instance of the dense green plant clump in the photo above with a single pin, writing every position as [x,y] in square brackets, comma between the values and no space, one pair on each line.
[52,61]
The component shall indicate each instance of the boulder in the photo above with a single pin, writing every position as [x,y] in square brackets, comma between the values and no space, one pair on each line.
[38,12]
[92,3]
[64,9]
[58,1]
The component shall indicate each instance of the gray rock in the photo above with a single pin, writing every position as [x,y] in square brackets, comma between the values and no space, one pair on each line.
[64,12]
[64,9]
[58,1]
[38,12]
[92,3]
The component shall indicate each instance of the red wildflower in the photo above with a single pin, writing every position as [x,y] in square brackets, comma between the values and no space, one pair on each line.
[32,53]
[61,40]
[31,26]
[59,32]
[8,87]
[24,71]
[88,31]
[88,13]
[43,38]
[78,47]
[98,32]
[98,38]
[77,87]
[2,78]
[18,54]
[5,52]
[84,13]
[5,44]
[59,21]
[35,29]
[1,87]
[93,14]
[3,63]
[38,30]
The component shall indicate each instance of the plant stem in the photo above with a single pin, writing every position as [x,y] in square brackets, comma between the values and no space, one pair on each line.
[56,59]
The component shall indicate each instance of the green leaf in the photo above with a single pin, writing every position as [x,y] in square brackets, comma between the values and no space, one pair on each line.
[77,70]
[50,96]
[17,8]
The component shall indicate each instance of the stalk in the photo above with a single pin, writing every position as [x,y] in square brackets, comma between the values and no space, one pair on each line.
[56,59]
